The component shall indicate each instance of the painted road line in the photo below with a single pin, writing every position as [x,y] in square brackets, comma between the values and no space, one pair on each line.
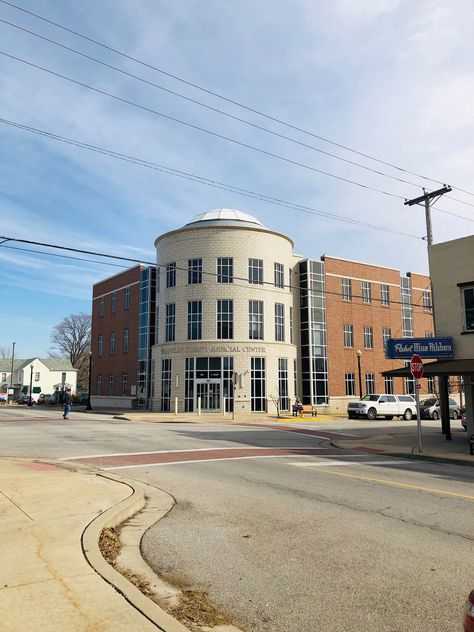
[194,461]
[131,454]
[381,481]
[199,455]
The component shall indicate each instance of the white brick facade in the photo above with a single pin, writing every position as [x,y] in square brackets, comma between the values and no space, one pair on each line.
[241,240]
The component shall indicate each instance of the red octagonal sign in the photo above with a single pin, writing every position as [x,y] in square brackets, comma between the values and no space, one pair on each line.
[416,367]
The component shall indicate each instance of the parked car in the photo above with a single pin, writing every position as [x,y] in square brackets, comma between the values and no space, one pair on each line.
[469,613]
[430,408]
[25,399]
[385,405]
[44,398]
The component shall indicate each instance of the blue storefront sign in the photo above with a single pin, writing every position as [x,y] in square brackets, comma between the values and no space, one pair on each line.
[404,348]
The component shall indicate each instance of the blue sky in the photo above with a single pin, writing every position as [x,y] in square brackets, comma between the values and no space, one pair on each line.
[391,78]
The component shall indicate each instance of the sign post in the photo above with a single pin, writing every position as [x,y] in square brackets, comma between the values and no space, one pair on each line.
[416,369]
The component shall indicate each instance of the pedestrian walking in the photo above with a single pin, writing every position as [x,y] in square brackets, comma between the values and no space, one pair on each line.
[67,403]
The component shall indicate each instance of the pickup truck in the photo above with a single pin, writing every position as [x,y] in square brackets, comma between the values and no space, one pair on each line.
[385,405]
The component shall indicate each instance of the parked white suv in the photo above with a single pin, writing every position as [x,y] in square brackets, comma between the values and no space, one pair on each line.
[385,405]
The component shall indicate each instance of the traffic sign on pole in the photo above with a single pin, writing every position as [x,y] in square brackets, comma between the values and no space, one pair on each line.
[416,366]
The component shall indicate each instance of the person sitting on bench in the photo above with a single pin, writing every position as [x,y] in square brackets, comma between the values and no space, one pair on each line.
[297,406]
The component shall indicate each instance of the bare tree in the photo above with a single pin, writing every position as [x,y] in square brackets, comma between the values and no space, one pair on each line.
[276,400]
[71,339]
[5,352]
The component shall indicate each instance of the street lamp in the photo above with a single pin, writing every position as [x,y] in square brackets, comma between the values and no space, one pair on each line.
[30,401]
[11,374]
[89,407]
[359,353]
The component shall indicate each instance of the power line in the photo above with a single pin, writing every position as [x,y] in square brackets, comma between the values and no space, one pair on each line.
[201,129]
[158,266]
[54,254]
[222,97]
[263,197]
[209,107]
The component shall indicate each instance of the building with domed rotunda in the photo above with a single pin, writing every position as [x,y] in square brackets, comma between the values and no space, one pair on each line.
[225,316]
[231,320]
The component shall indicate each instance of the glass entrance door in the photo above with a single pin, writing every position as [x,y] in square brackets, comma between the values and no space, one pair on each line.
[210,393]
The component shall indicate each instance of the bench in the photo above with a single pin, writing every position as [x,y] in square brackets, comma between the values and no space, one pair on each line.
[471,445]
[306,408]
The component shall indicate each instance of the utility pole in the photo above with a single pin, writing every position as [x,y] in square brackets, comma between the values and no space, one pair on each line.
[426,199]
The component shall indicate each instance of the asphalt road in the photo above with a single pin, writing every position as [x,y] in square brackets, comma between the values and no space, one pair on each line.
[285,533]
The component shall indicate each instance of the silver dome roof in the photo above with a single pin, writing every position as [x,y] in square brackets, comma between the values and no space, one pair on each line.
[227,215]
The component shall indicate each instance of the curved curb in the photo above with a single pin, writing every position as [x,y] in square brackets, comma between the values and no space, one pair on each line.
[112,517]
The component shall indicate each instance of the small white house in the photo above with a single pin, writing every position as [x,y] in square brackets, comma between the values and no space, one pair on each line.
[45,375]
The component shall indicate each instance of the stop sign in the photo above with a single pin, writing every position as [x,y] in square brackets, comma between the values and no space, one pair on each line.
[416,366]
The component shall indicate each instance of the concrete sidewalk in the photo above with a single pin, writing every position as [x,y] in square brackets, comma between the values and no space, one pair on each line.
[46,583]
[217,418]
[434,445]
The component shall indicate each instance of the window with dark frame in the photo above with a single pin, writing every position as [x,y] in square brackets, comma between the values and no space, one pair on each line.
[225,270]
[126,298]
[368,337]
[369,383]
[194,320]
[171,275]
[113,304]
[101,305]
[225,319]
[346,289]
[366,292]
[194,271]
[348,336]
[467,294]
[170,322]
[124,384]
[279,273]
[279,322]
[349,380]
[426,301]
[256,271]
[125,341]
[256,320]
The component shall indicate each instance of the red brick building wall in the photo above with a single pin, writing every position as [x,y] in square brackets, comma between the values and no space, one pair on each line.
[120,362]
[342,360]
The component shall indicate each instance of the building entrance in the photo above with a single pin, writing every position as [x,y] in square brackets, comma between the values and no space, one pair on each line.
[210,393]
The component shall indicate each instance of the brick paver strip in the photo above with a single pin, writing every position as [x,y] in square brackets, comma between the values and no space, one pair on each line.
[200,455]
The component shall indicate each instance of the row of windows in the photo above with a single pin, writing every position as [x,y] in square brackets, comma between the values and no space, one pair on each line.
[348,336]
[112,343]
[369,378]
[258,395]
[225,272]
[366,293]
[109,388]
[114,300]
[225,321]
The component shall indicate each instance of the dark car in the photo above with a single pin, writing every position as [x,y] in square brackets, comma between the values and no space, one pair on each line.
[25,399]
[430,409]
[44,398]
